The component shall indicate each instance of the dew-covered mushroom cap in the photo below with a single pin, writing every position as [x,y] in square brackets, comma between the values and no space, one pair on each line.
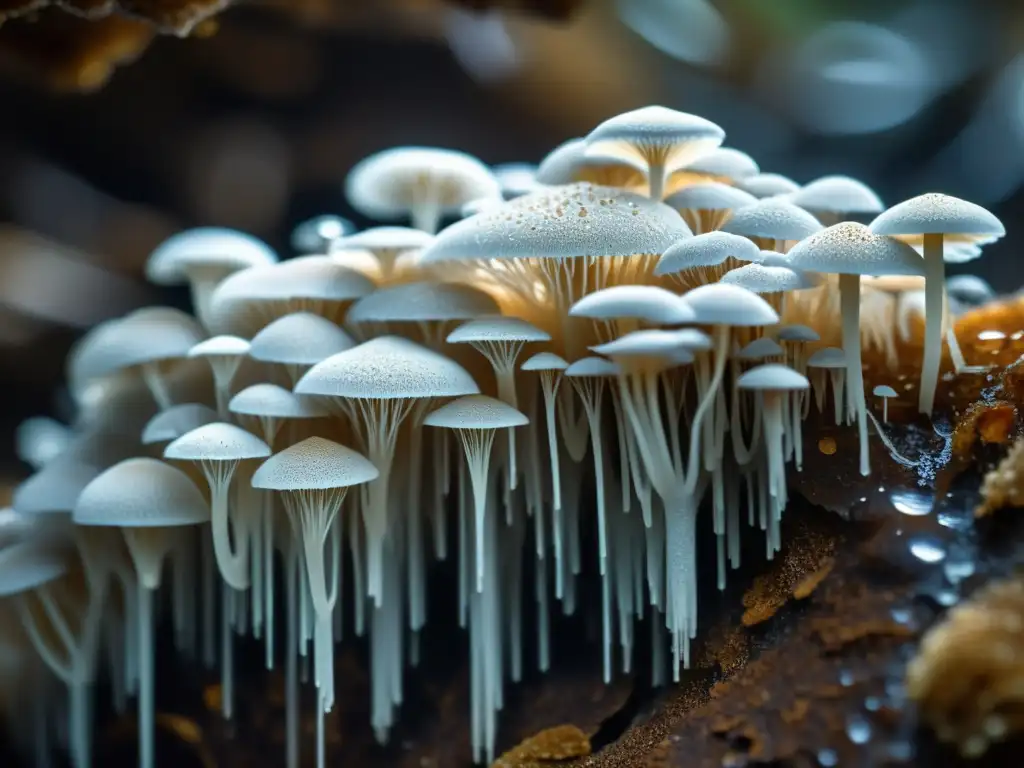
[725,162]
[476,412]
[314,464]
[176,421]
[760,348]
[217,441]
[725,304]
[761,278]
[767,185]
[387,368]
[938,214]
[772,218]
[678,137]
[544,361]
[54,489]
[884,390]
[301,338]
[853,249]
[377,239]
[709,196]
[422,302]
[772,377]
[220,346]
[707,250]
[798,333]
[316,235]
[829,357]
[224,250]
[28,564]
[641,302]
[272,401]
[562,222]
[498,328]
[837,194]
[141,493]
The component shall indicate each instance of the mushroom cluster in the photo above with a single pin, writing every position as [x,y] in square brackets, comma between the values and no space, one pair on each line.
[607,343]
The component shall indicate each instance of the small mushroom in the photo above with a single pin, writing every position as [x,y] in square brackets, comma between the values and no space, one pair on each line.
[832,198]
[299,341]
[317,235]
[772,223]
[224,354]
[765,185]
[695,261]
[386,244]
[569,163]
[707,206]
[884,391]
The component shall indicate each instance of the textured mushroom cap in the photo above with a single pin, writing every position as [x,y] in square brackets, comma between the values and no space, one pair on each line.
[724,304]
[596,367]
[420,302]
[387,368]
[797,333]
[386,239]
[969,289]
[301,338]
[476,412]
[884,390]
[544,361]
[220,346]
[829,357]
[853,249]
[709,196]
[40,439]
[760,348]
[270,400]
[562,222]
[141,493]
[767,185]
[312,465]
[563,164]
[316,235]
[937,214]
[28,564]
[677,345]
[774,218]
[772,376]
[641,302]
[497,328]
[837,194]
[217,442]
[769,258]
[707,250]
[388,184]
[176,421]
[214,248]
[53,489]
[515,179]
[761,278]
[726,162]
[144,336]
[679,137]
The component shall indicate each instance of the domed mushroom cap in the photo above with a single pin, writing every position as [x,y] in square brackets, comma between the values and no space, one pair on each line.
[312,465]
[938,214]
[388,184]
[53,489]
[725,162]
[656,343]
[761,278]
[39,439]
[760,348]
[772,376]
[772,218]
[544,361]
[853,249]
[419,302]
[884,390]
[837,194]
[829,357]
[725,304]
[594,367]
[301,338]
[798,333]
[709,196]
[677,137]
[224,250]
[476,412]
[970,289]
[270,400]
[386,239]
[220,346]
[29,564]
[641,302]
[141,493]
[312,277]
[767,185]
[387,368]
[515,179]
[176,421]
[565,162]
[497,328]
[707,250]
[217,442]
[316,235]
[562,222]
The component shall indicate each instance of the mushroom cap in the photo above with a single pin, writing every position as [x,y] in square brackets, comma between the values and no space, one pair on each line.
[497,328]
[767,258]
[220,346]
[596,367]
[937,214]
[270,400]
[772,376]
[481,204]
[390,183]
[141,493]
[760,348]
[725,162]
[28,564]
[956,252]
[707,250]
[837,194]
[515,179]
[563,164]
[384,239]
[774,218]
[217,441]
[422,302]
[476,412]
[656,343]
[314,464]
[562,222]
[969,289]
[214,248]
[301,338]
[40,439]
[829,357]
[544,361]
[176,421]
[54,489]
[679,137]
[709,196]
[884,390]
[316,235]
[725,304]
[761,278]
[853,249]
[641,302]
[767,185]
[799,333]
[387,368]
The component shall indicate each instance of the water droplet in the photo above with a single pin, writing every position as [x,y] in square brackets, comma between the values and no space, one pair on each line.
[846,678]
[828,758]
[946,597]
[913,503]
[901,615]
[858,730]
[881,489]
[872,703]
[927,549]
[957,570]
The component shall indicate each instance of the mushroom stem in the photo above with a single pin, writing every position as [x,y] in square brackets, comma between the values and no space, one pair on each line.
[849,299]
[147,751]
[934,293]
[234,566]
[721,353]
[656,180]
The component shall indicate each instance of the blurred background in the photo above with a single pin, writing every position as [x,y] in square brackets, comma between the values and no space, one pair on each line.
[118,130]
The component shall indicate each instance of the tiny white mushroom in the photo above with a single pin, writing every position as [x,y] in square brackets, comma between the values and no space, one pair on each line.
[884,391]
